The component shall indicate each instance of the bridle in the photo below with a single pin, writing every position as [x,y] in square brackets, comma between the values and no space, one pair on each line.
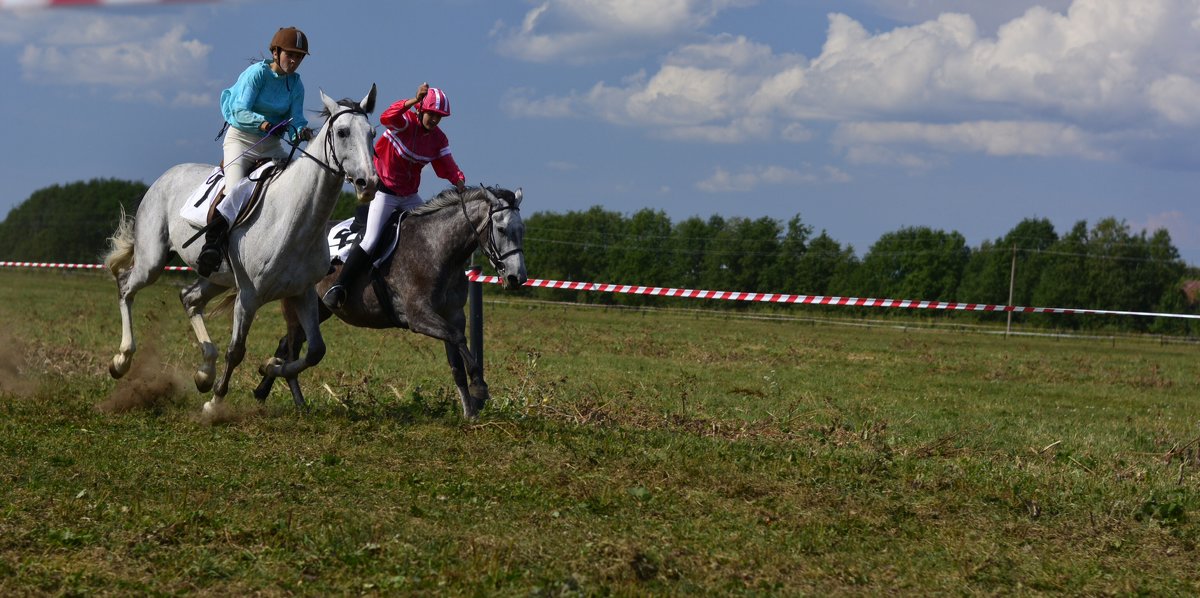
[487,240]
[330,148]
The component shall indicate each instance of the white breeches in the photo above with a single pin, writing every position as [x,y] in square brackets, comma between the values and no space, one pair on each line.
[239,157]
[381,209]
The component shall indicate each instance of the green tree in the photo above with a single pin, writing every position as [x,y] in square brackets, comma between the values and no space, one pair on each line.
[740,250]
[1109,267]
[573,247]
[915,263]
[987,275]
[642,254]
[68,223]
[691,241]
[782,274]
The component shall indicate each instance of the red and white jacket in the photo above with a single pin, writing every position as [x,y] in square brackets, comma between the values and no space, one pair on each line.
[406,147]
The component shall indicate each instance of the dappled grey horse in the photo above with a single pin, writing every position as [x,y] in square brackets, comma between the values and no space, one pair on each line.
[424,287]
[280,251]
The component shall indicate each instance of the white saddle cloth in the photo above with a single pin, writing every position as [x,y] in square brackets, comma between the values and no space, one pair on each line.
[195,209]
[341,238]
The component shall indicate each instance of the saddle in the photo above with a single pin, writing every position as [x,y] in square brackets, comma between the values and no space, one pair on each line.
[343,235]
[201,204]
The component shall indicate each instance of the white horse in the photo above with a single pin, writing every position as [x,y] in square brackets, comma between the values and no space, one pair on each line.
[279,252]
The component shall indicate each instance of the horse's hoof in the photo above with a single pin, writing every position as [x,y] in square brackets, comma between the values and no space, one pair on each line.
[204,380]
[210,407]
[270,367]
[118,367]
[473,404]
[471,412]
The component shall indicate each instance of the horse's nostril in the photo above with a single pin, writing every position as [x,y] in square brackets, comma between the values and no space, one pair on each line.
[361,182]
[513,281]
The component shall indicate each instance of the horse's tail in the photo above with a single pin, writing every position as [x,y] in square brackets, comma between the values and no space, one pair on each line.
[223,303]
[120,246]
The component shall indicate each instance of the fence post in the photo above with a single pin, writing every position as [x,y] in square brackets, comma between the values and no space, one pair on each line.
[475,302]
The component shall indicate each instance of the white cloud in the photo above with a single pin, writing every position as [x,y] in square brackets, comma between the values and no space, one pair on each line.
[991,138]
[748,179]
[168,57]
[587,30]
[1093,83]
[1175,98]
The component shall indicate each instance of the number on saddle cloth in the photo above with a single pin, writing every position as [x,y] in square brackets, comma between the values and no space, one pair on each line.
[343,235]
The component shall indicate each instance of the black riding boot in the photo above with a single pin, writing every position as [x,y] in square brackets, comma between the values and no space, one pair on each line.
[215,239]
[356,263]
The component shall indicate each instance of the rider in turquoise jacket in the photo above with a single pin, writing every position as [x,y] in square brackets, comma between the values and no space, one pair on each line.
[263,95]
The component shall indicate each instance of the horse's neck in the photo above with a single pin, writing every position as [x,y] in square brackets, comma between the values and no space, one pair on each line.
[306,189]
[461,233]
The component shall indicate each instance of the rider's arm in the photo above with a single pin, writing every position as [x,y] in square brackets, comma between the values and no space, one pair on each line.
[297,110]
[394,116]
[237,102]
[445,167]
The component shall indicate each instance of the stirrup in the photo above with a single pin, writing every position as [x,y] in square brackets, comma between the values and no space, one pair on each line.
[335,297]
[209,260]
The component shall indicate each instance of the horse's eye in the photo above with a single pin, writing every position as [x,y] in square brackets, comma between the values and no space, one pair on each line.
[343,133]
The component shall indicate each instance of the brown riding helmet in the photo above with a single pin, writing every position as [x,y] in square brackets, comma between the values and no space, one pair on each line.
[290,39]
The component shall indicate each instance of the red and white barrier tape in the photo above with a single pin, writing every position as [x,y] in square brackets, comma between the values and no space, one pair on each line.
[817,299]
[59,266]
[734,295]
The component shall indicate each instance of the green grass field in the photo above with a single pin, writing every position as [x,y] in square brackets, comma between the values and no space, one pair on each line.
[624,452]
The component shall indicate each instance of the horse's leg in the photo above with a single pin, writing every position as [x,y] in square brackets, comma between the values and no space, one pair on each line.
[244,308]
[283,353]
[306,314]
[287,350]
[460,376]
[194,298]
[425,321]
[145,258]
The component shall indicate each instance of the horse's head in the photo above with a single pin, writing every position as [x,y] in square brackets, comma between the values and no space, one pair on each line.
[349,141]
[506,236]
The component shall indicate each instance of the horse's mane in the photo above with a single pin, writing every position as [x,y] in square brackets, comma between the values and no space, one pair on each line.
[451,198]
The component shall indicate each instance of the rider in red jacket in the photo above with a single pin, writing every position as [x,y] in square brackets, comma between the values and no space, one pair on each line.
[411,140]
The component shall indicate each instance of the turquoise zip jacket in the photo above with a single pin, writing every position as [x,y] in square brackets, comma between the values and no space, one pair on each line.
[262,95]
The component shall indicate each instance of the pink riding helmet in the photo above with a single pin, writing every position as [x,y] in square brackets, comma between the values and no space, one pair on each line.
[435,101]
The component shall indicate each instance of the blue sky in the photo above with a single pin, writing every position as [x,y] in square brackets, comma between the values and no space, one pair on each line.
[861,116]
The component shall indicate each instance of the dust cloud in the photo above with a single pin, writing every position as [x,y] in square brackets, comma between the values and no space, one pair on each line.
[149,385]
[15,378]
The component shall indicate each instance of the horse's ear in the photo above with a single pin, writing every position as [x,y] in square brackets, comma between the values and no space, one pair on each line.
[330,105]
[368,103]
[517,198]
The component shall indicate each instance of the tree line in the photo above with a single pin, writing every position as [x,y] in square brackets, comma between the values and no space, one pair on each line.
[72,222]
[1103,266]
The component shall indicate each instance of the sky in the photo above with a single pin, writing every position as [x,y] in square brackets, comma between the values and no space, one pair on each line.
[860,116]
